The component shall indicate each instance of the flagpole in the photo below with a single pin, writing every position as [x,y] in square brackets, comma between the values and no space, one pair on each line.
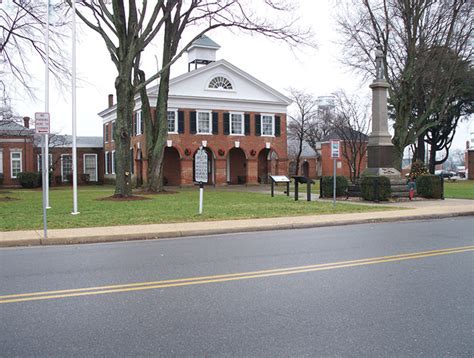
[74,146]
[46,108]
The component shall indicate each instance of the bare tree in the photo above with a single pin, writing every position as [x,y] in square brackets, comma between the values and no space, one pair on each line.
[301,120]
[351,124]
[320,127]
[22,37]
[406,30]
[127,30]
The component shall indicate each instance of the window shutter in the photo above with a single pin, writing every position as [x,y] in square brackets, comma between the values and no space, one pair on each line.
[277,126]
[215,123]
[226,124]
[247,124]
[180,122]
[193,122]
[109,162]
[141,123]
[132,161]
[134,127]
[257,124]
[106,133]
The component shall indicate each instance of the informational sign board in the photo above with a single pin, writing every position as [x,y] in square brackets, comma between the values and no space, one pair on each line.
[200,166]
[41,123]
[280,178]
[335,149]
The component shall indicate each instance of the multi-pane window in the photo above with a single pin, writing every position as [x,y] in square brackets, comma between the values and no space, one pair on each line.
[204,122]
[138,122]
[15,164]
[1,162]
[106,162]
[220,82]
[106,130]
[40,162]
[113,162]
[66,166]
[237,123]
[90,166]
[113,131]
[267,125]
[172,122]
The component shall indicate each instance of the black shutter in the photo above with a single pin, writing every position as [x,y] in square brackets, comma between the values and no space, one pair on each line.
[226,124]
[134,127]
[192,121]
[109,162]
[247,124]
[215,123]
[106,131]
[141,123]
[277,126]
[132,161]
[257,124]
[180,122]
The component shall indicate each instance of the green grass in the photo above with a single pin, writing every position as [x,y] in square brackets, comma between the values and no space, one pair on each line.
[461,189]
[26,212]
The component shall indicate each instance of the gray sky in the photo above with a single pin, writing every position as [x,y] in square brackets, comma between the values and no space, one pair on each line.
[316,70]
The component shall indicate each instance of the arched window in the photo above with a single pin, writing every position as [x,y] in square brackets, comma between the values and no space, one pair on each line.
[220,82]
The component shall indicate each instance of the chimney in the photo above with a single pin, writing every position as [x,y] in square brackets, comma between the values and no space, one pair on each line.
[111,100]
[26,122]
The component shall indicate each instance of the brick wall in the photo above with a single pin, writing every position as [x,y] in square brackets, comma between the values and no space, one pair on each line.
[327,163]
[23,144]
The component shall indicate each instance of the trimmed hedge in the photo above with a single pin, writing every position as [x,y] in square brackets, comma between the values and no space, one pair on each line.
[29,179]
[327,185]
[429,186]
[375,188]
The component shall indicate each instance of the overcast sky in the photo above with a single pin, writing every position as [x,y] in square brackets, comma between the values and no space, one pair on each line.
[316,70]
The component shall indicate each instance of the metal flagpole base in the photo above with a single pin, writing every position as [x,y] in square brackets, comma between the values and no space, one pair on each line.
[75,213]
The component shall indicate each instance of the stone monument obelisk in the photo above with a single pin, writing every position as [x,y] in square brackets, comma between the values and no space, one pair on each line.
[380,150]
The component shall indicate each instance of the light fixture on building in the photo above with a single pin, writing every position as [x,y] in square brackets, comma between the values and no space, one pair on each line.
[169,143]
[267,145]
[237,144]
[204,143]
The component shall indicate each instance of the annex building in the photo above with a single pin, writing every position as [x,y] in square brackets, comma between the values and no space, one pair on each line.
[239,120]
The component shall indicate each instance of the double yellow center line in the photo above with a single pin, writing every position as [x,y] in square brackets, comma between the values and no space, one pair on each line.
[141,286]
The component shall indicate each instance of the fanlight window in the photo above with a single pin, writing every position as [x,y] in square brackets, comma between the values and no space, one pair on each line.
[220,82]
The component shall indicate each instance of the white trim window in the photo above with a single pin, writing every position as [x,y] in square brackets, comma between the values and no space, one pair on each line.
[220,82]
[138,123]
[204,122]
[113,162]
[40,162]
[1,161]
[268,125]
[112,130]
[90,166]
[237,125]
[106,162]
[16,163]
[106,133]
[172,121]
[66,166]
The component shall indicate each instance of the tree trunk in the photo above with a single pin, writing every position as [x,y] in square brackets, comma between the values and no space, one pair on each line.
[420,148]
[125,105]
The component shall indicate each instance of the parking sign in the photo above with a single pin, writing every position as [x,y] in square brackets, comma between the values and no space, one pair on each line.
[335,149]
[42,123]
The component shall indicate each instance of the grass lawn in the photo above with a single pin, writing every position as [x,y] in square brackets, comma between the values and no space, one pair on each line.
[461,189]
[21,209]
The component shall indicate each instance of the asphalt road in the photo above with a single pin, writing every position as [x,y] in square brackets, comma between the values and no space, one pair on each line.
[268,294]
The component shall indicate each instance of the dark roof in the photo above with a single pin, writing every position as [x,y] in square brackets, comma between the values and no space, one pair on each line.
[65,141]
[307,150]
[12,128]
[347,133]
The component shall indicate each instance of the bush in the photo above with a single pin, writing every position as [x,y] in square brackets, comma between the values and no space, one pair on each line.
[375,188]
[429,186]
[327,185]
[1,178]
[29,179]
[418,168]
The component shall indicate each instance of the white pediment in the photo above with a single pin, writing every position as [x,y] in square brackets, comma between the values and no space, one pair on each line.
[195,84]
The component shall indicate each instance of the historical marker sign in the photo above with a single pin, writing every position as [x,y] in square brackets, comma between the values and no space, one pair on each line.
[200,166]
[42,123]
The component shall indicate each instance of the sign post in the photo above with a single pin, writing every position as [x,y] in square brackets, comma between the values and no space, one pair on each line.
[201,173]
[42,127]
[335,154]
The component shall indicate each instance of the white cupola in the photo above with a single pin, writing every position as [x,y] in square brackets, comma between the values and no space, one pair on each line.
[202,52]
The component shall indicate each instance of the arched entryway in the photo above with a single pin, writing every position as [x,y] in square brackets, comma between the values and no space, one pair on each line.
[210,166]
[267,165]
[171,167]
[305,169]
[236,166]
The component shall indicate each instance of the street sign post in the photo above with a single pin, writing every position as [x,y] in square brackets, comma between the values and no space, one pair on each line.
[335,155]
[42,127]
[201,173]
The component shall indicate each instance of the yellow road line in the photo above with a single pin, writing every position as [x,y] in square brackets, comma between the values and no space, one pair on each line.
[223,278]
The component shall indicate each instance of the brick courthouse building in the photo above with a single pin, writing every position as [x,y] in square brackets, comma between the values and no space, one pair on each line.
[240,121]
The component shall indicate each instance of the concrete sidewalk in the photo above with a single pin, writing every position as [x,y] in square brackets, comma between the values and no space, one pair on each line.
[415,210]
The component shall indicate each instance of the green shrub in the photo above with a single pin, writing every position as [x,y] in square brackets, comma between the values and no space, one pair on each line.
[29,179]
[429,186]
[373,188]
[327,185]
[418,168]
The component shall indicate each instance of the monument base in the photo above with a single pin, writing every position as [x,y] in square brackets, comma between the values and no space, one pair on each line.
[386,172]
[380,156]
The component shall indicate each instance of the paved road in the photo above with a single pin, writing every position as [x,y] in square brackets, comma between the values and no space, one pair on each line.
[268,294]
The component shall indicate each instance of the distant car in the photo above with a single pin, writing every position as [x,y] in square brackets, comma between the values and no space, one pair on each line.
[445,174]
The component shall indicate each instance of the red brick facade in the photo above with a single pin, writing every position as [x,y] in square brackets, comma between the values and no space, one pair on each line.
[342,166]
[22,144]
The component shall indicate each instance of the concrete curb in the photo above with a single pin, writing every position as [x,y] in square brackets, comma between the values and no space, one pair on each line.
[34,238]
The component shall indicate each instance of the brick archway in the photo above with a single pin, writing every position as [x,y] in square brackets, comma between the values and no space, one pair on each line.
[171,167]
[236,166]
[267,165]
